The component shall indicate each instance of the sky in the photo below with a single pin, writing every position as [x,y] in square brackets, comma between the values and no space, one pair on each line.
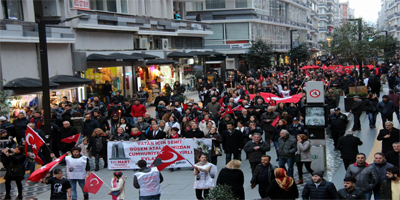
[367,9]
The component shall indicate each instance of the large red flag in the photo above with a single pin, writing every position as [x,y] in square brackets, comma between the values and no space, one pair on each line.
[41,172]
[275,122]
[228,110]
[269,96]
[93,183]
[165,156]
[71,139]
[35,141]
[238,108]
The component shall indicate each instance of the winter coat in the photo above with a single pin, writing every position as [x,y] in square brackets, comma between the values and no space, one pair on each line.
[15,160]
[296,129]
[386,108]
[386,189]
[214,108]
[255,155]
[89,126]
[145,126]
[232,142]
[92,144]
[276,192]
[77,122]
[304,149]
[120,187]
[233,178]
[267,125]
[215,143]
[20,127]
[366,179]
[103,123]
[348,146]
[393,158]
[223,123]
[338,122]
[387,142]
[354,194]
[357,107]
[254,180]
[124,136]
[287,147]
[275,136]
[161,111]
[381,169]
[326,190]
[370,105]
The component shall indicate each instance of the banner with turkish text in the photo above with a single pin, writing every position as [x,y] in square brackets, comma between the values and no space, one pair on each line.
[125,155]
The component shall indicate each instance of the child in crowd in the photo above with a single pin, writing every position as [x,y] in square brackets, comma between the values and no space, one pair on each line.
[118,186]
[83,147]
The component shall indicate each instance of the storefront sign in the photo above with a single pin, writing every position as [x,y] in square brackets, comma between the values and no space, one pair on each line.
[239,46]
[81,4]
[125,155]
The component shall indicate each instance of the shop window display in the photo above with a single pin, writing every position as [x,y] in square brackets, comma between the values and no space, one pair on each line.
[99,76]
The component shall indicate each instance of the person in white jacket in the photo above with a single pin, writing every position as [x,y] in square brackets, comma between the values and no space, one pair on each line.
[205,173]
[118,186]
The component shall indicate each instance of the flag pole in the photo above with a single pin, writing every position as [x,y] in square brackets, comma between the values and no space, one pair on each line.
[189,162]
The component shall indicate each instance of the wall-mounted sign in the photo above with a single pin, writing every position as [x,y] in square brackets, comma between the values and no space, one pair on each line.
[81,4]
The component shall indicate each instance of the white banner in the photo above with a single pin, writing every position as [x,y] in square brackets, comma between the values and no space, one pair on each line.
[124,155]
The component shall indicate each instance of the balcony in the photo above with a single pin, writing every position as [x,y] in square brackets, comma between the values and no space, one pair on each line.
[322,5]
[142,25]
[325,18]
[322,29]
[330,2]
[330,24]
[329,12]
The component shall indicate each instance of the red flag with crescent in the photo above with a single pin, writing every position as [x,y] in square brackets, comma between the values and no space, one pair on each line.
[35,141]
[275,122]
[41,172]
[93,183]
[168,157]
[71,139]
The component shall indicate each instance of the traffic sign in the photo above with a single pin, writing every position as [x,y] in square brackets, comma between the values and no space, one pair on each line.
[315,93]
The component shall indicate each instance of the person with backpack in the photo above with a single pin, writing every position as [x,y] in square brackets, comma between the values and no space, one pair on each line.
[114,111]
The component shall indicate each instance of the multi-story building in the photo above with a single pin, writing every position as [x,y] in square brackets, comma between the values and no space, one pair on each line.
[393,18]
[117,41]
[330,16]
[236,23]
[346,11]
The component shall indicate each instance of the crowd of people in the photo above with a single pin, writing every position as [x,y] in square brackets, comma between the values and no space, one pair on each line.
[236,123]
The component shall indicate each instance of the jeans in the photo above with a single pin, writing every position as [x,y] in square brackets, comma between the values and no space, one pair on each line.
[276,148]
[31,166]
[300,168]
[368,195]
[97,158]
[129,120]
[386,118]
[79,140]
[144,103]
[372,119]
[154,197]
[235,156]
[135,120]
[108,99]
[397,113]
[290,163]
[113,126]
[81,183]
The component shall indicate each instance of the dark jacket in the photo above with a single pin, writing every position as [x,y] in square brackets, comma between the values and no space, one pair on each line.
[233,178]
[326,190]
[124,136]
[393,158]
[255,155]
[20,127]
[267,125]
[193,133]
[370,105]
[89,126]
[126,111]
[64,133]
[357,107]
[254,180]
[276,192]
[348,146]
[232,142]
[386,189]
[103,123]
[386,108]
[163,98]
[296,129]
[366,179]
[160,135]
[387,142]
[161,111]
[338,122]
[354,194]
[144,126]
[16,160]
[275,136]
[92,144]
[381,169]
[287,147]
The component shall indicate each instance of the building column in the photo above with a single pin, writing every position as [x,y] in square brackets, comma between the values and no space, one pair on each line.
[133,7]
[118,4]
[28,10]
[1,17]
[163,10]
[170,9]
[142,8]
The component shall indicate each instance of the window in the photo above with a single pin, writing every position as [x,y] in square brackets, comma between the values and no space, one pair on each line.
[240,3]
[199,6]
[12,9]
[237,31]
[215,4]
[218,30]
[109,5]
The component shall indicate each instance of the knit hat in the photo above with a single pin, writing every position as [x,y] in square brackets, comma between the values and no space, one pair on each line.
[2,131]
[385,96]
[319,173]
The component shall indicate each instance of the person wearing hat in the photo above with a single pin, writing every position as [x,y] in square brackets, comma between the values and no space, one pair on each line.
[349,191]
[357,109]
[296,128]
[337,124]
[386,108]
[319,188]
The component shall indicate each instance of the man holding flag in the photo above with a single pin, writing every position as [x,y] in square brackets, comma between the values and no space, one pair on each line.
[147,180]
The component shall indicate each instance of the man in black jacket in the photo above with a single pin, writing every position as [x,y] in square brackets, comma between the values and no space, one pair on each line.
[393,157]
[348,146]
[66,131]
[319,188]
[232,142]
[255,149]
[20,126]
[349,192]
[155,134]
[103,122]
[296,128]
[388,136]
[88,126]
[194,132]
[393,179]
[356,109]
[337,125]
[126,112]
[263,175]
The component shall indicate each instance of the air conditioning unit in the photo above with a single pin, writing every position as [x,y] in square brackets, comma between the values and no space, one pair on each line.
[164,43]
[141,43]
[51,8]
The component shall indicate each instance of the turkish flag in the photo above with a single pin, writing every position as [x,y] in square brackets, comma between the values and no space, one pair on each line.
[275,122]
[268,97]
[184,106]
[41,172]
[71,139]
[221,109]
[228,110]
[221,100]
[93,183]
[35,141]
[238,108]
[168,157]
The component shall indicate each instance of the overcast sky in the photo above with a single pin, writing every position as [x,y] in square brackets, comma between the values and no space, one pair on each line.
[367,9]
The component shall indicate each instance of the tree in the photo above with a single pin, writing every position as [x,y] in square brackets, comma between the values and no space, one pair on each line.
[300,53]
[260,54]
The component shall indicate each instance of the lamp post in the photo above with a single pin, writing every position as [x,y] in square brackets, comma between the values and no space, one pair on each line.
[291,47]
[384,49]
[45,72]
[359,20]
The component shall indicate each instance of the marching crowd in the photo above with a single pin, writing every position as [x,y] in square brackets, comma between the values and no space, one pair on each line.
[238,120]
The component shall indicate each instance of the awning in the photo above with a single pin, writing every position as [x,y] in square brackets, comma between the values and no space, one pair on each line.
[69,80]
[113,57]
[206,53]
[161,62]
[178,54]
[145,56]
[26,84]
[213,62]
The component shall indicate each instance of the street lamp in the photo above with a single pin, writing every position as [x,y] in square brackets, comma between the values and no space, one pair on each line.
[291,47]
[384,49]
[359,20]
[45,71]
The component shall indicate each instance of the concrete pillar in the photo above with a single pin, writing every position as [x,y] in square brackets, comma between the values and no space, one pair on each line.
[133,7]
[149,8]
[1,17]
[163,8]
[170,9]
[118,4]
[29,10]
[142,8]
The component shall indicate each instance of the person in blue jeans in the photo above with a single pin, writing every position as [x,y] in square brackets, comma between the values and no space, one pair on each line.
[287,147]
[371,110]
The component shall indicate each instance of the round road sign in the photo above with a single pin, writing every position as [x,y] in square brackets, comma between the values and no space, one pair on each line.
[315,93]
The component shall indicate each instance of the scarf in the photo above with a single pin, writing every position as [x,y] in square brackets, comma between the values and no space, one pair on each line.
[284,181]
[175,136]
[136,134]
